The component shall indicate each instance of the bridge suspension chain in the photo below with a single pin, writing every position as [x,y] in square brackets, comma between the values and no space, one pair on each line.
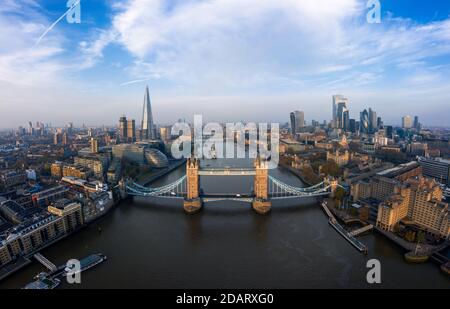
[280,189]
[174,188]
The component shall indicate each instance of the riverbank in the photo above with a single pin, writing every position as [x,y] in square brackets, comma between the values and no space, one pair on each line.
[296,172]
[23,261]
[174,164]
[148,244]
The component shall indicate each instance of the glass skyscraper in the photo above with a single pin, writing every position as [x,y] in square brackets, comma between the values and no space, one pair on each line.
[147,127]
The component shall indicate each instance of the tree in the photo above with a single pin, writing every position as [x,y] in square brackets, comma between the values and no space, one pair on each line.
[420,237]
[331,168]
[339,195]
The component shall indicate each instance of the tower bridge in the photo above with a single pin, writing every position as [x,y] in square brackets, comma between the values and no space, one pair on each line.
[265,187]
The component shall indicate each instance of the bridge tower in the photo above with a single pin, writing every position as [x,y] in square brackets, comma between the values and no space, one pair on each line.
[192,203]
[333,183]
[123,188]
[261,204]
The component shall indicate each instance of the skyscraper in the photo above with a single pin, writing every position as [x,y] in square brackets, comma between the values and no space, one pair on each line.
[364,121]
[131,130]
[94,145]
[297,121]
[416,123]
[373,119]
[407,122]
[123,128]
[147,127]
[342,113]
[336,100]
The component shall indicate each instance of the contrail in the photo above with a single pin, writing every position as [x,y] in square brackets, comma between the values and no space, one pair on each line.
[135,81]
[56,21]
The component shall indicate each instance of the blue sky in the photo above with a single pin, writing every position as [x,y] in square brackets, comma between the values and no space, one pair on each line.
[229,60]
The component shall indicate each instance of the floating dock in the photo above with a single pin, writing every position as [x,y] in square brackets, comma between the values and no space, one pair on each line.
[348,236]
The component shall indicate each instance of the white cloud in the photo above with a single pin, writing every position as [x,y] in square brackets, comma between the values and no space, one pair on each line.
[21,62]
[233,45]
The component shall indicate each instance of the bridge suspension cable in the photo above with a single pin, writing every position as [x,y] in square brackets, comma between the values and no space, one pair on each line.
[174,189]
[279,189]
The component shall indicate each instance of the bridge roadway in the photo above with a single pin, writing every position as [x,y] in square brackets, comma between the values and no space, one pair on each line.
[227,172]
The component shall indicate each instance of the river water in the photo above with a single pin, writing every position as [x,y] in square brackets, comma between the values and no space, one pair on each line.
[154,244]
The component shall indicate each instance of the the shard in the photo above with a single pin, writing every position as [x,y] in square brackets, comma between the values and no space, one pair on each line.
[147,126]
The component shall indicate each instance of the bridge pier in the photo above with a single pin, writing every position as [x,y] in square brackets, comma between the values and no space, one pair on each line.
[261,206]
[192,206]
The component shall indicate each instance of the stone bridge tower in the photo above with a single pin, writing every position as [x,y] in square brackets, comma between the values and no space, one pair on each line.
[261,203]
[192,203]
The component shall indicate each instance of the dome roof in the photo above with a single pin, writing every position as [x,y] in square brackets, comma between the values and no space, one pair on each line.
[156,158]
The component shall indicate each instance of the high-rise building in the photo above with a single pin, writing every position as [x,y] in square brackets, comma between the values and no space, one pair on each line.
[416,123]
[56,138]
[342,111]
[364,122]
[373,119]
[297,121]
[131,130]
[353,126]
[407,122]
[70,128]
[147,126]
[123,128]
[389,132]
[94,145]
[165,133]
[335,104]
[65,138]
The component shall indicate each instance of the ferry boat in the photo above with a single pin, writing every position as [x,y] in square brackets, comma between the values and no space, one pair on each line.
[86,263]
[43,282]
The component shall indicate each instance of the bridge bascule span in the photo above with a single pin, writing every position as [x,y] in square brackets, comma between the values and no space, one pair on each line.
[265,188]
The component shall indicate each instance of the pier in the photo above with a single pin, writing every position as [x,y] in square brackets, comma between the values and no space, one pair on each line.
[361,230]
[348,236]
[44,261]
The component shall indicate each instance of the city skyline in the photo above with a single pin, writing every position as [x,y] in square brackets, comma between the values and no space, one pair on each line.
[228,67]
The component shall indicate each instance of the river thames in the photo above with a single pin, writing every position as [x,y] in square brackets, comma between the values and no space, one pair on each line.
[154,244]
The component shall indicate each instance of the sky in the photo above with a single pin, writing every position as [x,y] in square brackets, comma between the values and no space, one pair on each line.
[229,60]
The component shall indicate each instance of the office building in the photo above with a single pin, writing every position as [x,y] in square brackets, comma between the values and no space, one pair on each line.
[131,131]
[438,169]
[297,121]
[46,197]
[373,120]
[94,145]
[165,133]
[364,122]
[123,128]
[406,122]
[337,99]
